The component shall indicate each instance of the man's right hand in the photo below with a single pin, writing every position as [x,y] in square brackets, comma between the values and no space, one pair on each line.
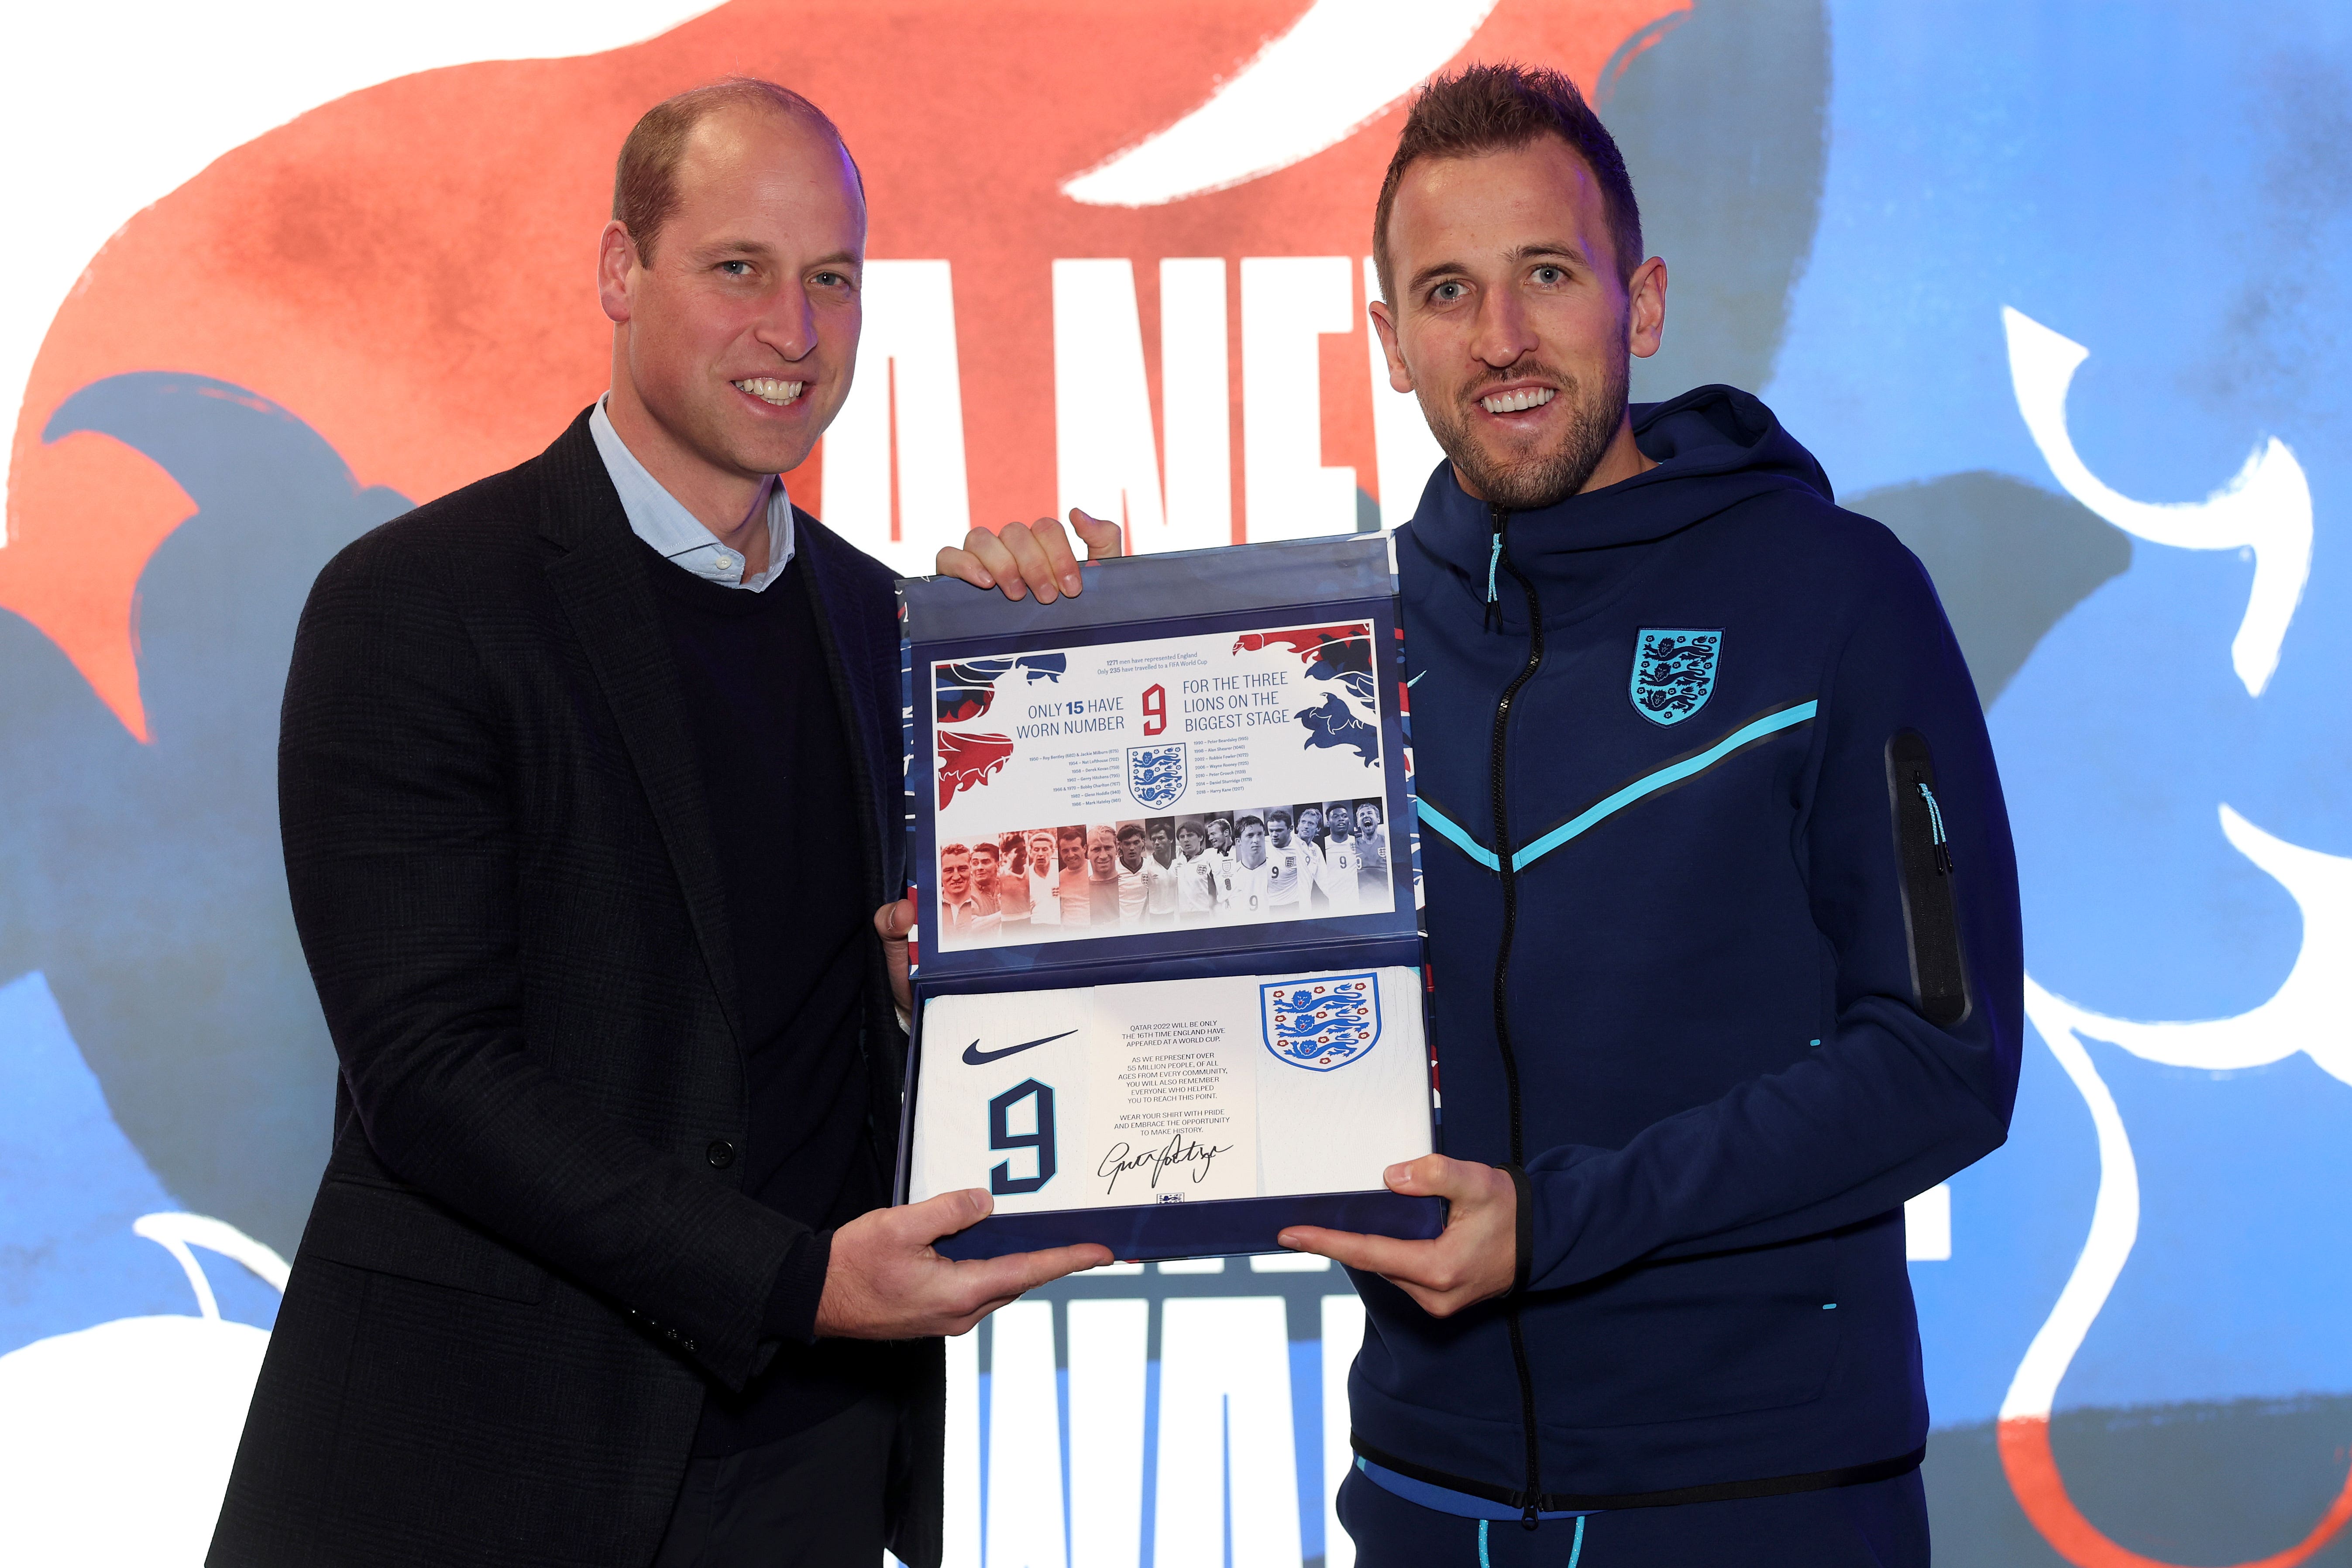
[1029,557]
[885,1281]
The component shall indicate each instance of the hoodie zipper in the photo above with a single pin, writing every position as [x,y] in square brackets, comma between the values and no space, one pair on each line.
[1501,556]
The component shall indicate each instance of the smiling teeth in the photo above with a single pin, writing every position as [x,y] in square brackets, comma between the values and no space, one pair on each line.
[1517,402]
[767,389]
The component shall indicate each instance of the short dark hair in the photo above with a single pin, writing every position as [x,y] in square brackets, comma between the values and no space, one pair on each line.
[1500,108]
[645,177]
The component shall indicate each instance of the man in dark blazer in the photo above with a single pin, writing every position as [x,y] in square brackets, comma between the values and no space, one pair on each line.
[589,780]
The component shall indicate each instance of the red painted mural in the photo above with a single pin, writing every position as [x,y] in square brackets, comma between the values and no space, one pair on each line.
[409,270]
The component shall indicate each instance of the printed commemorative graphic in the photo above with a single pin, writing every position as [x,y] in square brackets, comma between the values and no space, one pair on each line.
[1178,1091]
[1231,778]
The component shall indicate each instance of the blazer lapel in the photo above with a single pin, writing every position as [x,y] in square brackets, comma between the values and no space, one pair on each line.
[861,649]
[599,580]
[850,642]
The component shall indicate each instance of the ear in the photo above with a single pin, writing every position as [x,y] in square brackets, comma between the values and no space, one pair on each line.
[1645,315]
[1384,323]
[617,268]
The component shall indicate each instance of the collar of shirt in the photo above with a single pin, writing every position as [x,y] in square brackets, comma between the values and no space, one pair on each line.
[659,519]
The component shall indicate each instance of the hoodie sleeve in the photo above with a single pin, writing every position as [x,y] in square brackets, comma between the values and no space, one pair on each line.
[1915,892]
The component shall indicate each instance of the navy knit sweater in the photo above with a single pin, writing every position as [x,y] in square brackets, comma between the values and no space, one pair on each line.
[1723,931]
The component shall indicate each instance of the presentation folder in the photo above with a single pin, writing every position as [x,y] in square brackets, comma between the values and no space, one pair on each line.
[1167,976]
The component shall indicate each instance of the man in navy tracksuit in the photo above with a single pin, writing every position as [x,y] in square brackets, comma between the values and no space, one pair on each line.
[1722,919]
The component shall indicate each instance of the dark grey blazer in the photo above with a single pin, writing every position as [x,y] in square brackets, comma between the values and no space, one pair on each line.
[528,1252]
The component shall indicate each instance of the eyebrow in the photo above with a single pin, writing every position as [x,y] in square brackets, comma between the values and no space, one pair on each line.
[1542,247]
[761,248]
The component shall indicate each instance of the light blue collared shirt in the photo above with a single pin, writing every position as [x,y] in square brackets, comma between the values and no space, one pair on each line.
[675,534]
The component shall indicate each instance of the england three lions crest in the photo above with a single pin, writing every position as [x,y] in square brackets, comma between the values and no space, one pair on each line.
[1674,672]
[1323,1024]
[1155,775]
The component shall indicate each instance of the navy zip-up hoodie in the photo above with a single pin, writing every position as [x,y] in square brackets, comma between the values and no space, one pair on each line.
[1723,936]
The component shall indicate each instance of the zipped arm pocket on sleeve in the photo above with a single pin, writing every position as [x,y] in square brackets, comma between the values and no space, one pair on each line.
[1923,854]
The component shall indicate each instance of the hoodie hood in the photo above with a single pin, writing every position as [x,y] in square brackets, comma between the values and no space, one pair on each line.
[1714,446]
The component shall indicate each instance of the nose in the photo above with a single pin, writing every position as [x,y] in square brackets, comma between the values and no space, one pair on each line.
[789,323]
[1503,334]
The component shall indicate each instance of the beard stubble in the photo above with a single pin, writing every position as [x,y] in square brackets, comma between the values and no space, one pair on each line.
[1542,478]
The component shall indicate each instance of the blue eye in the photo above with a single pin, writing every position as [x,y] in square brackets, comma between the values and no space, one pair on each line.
[1550,275]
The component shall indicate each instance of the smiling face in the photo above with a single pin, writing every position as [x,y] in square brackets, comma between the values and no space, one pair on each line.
[1512,325]
[1102,851]
[955,874]
[733,345]
[1220,835]
[1310,822]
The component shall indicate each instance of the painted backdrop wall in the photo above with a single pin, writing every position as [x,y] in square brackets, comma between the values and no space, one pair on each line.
[2056,290]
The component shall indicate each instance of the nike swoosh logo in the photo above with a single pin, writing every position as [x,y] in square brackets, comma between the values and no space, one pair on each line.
[974,1057]
[1416,680]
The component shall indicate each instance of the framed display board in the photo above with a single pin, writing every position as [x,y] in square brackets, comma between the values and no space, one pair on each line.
[1168,982]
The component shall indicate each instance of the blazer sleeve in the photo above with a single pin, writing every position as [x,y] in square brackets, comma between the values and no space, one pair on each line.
[1894,1100]
[402,859]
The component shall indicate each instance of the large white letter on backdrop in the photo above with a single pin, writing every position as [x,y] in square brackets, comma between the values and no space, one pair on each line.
[907,377]
[1288,302]
[1343,1335]
[1024,1441]
[1107,459]
[1107,1341]
[1196,402]
[1224,1411]
[960,1504]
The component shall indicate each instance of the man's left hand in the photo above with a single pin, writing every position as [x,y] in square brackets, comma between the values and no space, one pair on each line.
[1474,1259]
[1025,558]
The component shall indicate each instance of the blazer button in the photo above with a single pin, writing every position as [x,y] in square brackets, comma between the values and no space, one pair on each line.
[721,1152]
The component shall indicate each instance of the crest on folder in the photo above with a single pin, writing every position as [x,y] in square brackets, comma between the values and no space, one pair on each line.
[1155,775]
[1674,672]
[1320,1025]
